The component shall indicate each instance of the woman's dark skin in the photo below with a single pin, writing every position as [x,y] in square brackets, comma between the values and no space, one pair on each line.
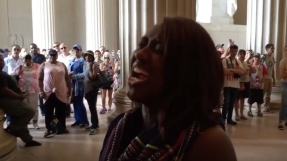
[148,65]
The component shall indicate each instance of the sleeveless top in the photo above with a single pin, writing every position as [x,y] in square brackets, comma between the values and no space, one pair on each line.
[29,79]
[54,81]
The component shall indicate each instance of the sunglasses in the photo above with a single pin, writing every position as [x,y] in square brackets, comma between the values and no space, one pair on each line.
[56,46]
[106,58]
[63,48]
[16,49]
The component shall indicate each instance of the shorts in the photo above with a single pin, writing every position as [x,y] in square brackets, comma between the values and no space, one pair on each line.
[255,95]
[109,86]
[244,93]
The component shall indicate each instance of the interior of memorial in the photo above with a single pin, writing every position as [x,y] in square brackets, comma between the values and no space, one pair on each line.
[111,29]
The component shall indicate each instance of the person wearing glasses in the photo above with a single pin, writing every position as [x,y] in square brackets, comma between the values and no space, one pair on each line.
[14,61]
[66,57]
[108,67]
[56,46]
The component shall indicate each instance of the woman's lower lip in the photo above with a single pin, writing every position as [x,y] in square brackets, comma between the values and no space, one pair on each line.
[134,80]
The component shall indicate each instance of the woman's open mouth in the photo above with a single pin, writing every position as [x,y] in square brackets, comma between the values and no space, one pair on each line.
[138,76]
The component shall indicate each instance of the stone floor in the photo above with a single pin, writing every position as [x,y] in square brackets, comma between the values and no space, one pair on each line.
[256,139]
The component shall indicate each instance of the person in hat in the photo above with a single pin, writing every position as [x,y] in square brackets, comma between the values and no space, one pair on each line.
[77,74]
[220,48]
[91,69]
[55,87]
[257,79]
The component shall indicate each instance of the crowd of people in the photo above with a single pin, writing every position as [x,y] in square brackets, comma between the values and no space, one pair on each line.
[250,76]
[54,80]
[173,118]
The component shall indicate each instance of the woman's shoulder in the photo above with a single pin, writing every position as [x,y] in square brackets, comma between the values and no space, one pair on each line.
[211,144]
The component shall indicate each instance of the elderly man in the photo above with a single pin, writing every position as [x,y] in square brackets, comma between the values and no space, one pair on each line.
[20,113]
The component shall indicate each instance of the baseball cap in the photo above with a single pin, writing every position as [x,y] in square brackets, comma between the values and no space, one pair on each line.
[53,52]
[77,47]
[219,46]
[6,50]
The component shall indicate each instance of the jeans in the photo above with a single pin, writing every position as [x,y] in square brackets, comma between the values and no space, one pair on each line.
[80,112]
[230,95]
[283,108]
[53,103]
[20,115]
[91,98]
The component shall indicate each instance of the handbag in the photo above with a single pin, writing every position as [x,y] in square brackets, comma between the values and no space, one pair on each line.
[101,80]
[54,125]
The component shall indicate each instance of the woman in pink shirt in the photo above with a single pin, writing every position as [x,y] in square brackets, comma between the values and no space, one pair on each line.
[55,88]
[28,82]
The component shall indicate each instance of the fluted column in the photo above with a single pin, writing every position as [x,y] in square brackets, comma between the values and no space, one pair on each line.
[94,24]
[43,23]
[136,17]
[111,24]
[267,23]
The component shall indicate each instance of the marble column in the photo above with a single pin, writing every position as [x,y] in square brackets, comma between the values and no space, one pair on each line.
[94,24]
[135,19]
[219,12]
[43,23]
[111,24]
[266,23]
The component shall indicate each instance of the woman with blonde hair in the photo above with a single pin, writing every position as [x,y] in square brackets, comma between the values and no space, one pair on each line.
[108,67]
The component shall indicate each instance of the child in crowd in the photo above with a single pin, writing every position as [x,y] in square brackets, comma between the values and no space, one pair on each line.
[256,85]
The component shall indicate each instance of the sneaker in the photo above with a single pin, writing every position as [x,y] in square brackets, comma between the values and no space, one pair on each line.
[250,114]
[260,114]
[94,131]
[36,126]
[242,117]
[237,118]
[75,124]
[231,122]
[84,125]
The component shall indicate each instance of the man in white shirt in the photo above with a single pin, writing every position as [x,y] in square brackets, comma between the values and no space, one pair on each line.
[268,61]
[14,61]
[232,71]
[65,57]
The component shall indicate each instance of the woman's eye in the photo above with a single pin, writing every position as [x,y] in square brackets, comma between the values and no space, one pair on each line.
[143,42]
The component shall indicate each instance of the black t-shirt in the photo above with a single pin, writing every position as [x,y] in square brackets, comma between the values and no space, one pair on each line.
[8,81]
[38,58]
